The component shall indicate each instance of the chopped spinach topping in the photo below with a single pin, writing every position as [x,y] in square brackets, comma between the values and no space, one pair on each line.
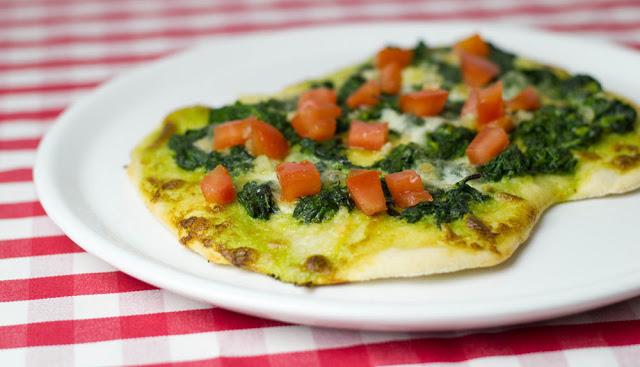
[558,126]
[451,74]
[257,199]
[401,158]
[323,205]
[612,115]
[452,109]
[330,153]
[511,162]
[352,84]
[579,87]
[544,80]
[236,111]
[551,160]
[189,157]
[448,141]
[420,54]
[549,140]
[447,205]
[555,132]
[237,160]
[501,58]
[575,88]
[373,113]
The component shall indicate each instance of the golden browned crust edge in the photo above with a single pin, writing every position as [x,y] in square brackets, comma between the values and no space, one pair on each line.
[134,172]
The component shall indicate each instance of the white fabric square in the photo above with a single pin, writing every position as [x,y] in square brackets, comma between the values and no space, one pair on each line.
[13,313]
[15,268]
[84,262]
[143,302]
[51,265]
[590,357]
[286,339]
[247,342]
[43,356]
[51,309]
[96,306]
[156,349]
[107,353]
[175,302]
[194,346]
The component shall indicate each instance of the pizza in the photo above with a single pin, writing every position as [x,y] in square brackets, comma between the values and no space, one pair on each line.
[416,161]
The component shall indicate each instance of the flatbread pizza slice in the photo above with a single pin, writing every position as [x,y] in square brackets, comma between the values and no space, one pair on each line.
[415,162]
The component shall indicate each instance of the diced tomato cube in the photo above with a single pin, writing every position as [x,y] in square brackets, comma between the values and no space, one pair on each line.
[476,71]
[406,188]
[526,100]
[366,191]
[217,186]
[318,94]
[393,55]
[474,45]
[470,106]
[316,120]
[504,122]
[424,103]
[490,105]
[371,135]
[487,144]
[232,133]
[298,179]
[367,95]
[267,140]
[391,78]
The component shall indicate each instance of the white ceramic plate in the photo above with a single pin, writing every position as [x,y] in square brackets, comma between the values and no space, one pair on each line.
[581,255]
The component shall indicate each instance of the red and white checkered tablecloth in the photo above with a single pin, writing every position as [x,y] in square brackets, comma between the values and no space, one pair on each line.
[62,306]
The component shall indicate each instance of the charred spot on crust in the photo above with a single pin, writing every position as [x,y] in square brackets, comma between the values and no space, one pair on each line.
[625,162]
[503,228]
[215,209]
[209,242]
[480,228]
[161,186]
[195,228]
[449,234]
[625,147]
[186,239]
[194,223]
[168,129]
[241,256]
[173,184]
[590,156]
[317,264]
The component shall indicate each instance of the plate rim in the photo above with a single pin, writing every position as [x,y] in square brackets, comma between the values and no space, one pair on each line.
[236,298]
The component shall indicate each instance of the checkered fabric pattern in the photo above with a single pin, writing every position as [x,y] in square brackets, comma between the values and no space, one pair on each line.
[62,306]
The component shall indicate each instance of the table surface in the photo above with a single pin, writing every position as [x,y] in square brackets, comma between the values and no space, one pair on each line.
[62,306]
